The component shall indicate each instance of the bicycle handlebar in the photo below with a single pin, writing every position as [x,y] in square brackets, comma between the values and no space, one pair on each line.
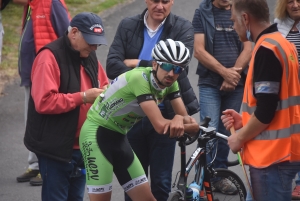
[220,135]
[203,126]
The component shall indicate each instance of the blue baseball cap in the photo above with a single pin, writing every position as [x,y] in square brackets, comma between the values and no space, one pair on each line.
[91,27]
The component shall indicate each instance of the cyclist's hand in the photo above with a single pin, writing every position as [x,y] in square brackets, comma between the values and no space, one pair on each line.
[188,120]
[231,118]
[234,143]
[190,125]
[92,94]
[176,126]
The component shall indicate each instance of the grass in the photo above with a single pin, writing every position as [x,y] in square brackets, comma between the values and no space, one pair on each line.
[12,22]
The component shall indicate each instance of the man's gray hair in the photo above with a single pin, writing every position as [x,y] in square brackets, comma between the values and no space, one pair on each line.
[70,28]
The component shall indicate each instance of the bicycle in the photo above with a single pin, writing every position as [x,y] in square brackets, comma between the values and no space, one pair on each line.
[204,172]
[229,163]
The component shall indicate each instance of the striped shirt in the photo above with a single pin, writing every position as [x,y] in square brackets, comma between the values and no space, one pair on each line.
[294,37]
[226,44]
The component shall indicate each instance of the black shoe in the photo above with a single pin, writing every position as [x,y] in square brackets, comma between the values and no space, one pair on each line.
[36,181]
[27,175]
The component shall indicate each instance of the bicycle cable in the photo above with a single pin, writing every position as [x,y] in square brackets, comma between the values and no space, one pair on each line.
[173,185]
[214,143]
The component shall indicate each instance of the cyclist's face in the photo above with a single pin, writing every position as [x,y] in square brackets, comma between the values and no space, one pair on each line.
[167,78]
[159,9]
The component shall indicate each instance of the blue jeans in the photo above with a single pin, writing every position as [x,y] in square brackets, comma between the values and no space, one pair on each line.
[212,103]
[60,183]
[154,150]
[273,182]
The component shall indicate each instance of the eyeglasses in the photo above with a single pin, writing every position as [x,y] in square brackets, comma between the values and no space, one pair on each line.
[229,29]
[162,1]
[168,67]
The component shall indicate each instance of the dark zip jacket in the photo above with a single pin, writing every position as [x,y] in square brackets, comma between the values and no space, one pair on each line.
[52,135]
[128,43]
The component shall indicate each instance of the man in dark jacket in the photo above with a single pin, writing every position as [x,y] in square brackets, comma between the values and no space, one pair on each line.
[66,78]
[132,45]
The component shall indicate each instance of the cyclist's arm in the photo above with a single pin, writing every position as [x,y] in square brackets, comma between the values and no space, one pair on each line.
[152,111]
[190,124]
[178,106]
[161,125]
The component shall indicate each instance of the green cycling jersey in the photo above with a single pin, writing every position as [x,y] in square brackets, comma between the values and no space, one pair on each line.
[119,109]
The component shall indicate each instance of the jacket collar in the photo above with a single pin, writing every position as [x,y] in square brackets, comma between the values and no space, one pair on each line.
[284,26]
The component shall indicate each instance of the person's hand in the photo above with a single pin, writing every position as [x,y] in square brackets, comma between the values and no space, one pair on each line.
[231,75]
[234,143]
[227,87]
[188,120]
[176,127]
[190,125]
[92,94]
[131,63]
[231,118]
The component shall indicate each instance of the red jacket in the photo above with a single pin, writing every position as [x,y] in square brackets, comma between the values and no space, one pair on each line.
[42,26]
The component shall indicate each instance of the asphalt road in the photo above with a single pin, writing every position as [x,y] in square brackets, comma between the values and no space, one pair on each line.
[13,154]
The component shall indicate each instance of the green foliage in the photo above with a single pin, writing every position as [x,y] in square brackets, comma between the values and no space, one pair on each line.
[72,2]
[12,22]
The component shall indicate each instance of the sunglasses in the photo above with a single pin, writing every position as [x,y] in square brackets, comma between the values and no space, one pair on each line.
[168,67]
[162,1]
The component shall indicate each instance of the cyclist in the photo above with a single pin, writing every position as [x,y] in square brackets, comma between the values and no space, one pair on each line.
[130,97]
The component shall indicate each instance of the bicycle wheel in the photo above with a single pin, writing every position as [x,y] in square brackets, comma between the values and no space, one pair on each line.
[174,196]
[236,190]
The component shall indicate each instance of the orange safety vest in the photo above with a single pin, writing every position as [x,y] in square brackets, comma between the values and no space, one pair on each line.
[43,30]
[281,139]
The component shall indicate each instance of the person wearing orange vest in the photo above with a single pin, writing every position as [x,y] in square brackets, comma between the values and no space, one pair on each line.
[288,24]
[43,22]
[269,127]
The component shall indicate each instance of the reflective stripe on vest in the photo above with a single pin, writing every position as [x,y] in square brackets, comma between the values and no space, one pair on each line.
[282,104]
[281,139]
[285,59]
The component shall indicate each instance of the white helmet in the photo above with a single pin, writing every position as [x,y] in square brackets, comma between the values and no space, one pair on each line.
[171,51]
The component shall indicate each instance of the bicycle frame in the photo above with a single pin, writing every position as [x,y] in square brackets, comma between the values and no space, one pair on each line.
[199,155]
